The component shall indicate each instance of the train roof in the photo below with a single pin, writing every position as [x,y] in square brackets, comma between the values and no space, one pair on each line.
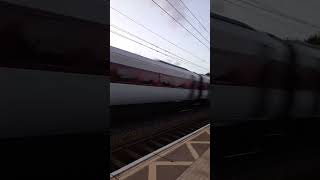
[238,23]
[231,21]
[172,65]
[228,29]
[274,37]
[241,24]
[135,60]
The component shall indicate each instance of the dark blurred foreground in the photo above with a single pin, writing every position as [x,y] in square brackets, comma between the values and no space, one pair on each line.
[287,151]
[80,156]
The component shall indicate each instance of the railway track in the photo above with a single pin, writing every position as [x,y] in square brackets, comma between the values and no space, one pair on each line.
[132,123]
[125,154]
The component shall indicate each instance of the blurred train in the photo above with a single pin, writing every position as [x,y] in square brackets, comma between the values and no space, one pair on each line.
[53,68]
[139,80]
[53,73]
[256,76]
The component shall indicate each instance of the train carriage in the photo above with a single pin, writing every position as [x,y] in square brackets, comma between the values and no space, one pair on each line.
[261,84]
[53,69]
[248,69]
[139,80]
[307,78]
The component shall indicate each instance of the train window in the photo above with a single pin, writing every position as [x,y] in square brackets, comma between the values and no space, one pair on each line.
[148,77]
[188,84]
[174,82]
[196,85]
[125,74]
[179,83]
[35,39]
[276,75]
[121,73]
[306,78]
[165,80]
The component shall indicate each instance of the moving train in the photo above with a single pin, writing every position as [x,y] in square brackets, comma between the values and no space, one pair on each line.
[139,80]
[53,68]
[256,76]
[53,73]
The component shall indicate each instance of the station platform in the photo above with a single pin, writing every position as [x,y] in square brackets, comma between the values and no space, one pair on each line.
[187,158]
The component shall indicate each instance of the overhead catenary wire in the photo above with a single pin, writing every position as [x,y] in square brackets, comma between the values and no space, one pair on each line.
[193,15]
[246,7]
[200,67]
[180,24]
[158,50]
[285,16]
[187,20]
[158,35]
[152,44]
[231,2]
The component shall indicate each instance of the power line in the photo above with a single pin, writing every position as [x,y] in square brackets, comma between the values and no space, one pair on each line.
[179,23]
[181,59]
[147,42]
[231,2]
[280,14]
[245,7]
[187,20]
[193,15]
[156,50]
[148,29]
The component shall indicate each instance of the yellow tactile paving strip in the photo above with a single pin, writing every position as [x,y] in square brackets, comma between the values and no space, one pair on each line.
[171,163]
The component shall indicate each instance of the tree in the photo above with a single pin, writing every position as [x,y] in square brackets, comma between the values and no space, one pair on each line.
[313,39]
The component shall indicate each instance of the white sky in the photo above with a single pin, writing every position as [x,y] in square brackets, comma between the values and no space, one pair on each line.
[146,12]
[306,10]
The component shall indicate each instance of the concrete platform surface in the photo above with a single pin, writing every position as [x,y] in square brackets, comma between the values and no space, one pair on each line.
[188,159]
[199,170]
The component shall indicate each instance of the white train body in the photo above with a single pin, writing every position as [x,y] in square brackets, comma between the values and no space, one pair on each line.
[257,76]
[137,80]
[53,74]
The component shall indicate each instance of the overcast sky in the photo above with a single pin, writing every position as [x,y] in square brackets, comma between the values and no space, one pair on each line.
[146,12]
[305,11]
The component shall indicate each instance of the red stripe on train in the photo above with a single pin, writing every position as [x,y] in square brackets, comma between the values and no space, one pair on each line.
[130,75]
